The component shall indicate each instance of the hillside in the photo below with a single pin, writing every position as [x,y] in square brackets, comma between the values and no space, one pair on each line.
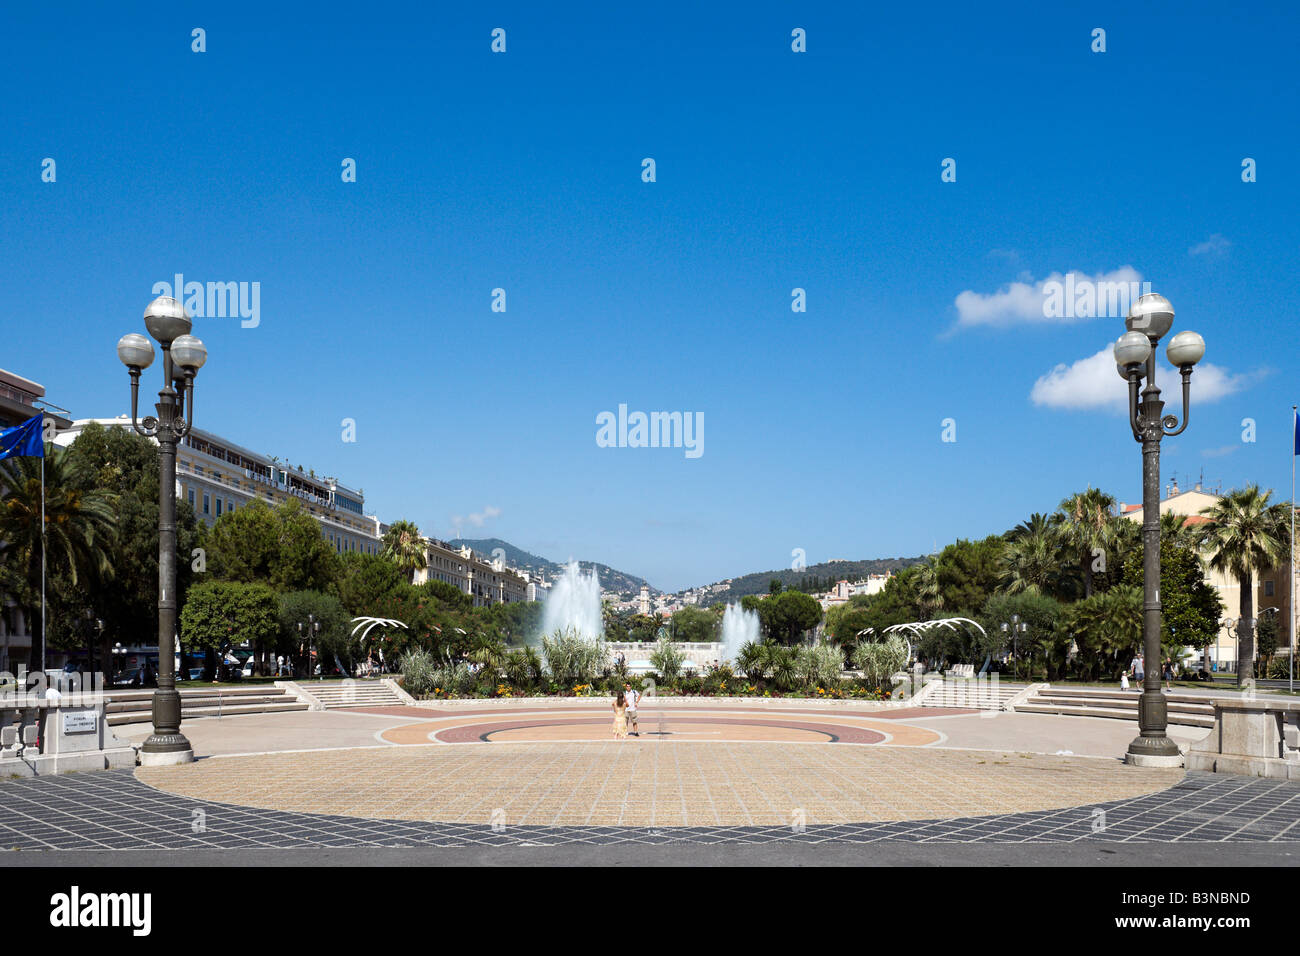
[815,577]
[611,579]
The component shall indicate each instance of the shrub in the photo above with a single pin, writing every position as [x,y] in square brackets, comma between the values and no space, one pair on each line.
[454,680]
[418,668]
[571,659]
[754,660]
[820,666]
[667,660]
[691,685]
[522,668]
[878,661]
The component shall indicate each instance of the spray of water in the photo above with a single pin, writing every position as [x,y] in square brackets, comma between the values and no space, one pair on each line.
[574,602]
[739,627]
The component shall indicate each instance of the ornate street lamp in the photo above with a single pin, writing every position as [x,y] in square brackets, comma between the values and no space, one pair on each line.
[1015,629]
[1135,357]
[183,356]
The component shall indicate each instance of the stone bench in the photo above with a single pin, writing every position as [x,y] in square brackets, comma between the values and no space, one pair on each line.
[1255,738]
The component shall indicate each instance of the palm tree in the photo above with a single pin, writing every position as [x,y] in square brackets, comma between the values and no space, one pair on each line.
[405,547]
[1031,559]
[80,521]
[1245,535]
[929,595]
[1087,527]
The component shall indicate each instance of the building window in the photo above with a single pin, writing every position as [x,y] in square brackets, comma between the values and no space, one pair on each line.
[191,495]
[218,506]
[207,504]
[1268,589]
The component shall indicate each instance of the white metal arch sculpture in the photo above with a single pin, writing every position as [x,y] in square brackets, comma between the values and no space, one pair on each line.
[367,624]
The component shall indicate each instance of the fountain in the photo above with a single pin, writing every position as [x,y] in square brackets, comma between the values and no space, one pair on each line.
[739,627]
[574,603]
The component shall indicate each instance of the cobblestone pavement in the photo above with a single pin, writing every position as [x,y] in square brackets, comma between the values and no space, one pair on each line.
[641,783]
[115,811]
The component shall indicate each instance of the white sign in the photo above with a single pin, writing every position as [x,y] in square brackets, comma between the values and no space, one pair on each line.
[80,722]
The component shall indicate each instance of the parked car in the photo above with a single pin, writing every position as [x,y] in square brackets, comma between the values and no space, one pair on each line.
[128,678]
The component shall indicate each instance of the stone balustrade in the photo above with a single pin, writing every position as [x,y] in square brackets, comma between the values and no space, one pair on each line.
[1255,738]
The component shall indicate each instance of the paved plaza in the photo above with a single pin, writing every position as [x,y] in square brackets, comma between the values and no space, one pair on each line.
[495,777]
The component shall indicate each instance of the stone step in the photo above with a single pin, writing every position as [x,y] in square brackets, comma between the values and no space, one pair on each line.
[232,710]
[128,706]
[1063,710]
[1130,702]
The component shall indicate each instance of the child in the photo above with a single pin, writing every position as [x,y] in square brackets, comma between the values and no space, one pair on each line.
[1123,681]
[620,717]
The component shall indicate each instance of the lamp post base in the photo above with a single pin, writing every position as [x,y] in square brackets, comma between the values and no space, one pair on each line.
[165,758]
[1153,752]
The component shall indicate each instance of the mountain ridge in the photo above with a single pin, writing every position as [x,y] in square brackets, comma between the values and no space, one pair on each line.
[755,582]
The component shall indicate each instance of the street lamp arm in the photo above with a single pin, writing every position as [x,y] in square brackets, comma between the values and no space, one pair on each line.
[1170,423]
[1134,382]
[149,426]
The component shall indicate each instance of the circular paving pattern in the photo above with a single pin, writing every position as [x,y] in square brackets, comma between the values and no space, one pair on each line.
[647,783]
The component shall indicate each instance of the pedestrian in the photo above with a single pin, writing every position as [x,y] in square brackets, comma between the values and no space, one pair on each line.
[620,717]
[633,698]
[1123,681]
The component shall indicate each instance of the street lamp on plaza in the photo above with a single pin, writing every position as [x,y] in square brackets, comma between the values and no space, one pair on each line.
[1150,317]
[183,356]
[313,630]
[1015,629]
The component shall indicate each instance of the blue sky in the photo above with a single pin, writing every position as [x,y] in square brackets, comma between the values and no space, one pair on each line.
[775,170]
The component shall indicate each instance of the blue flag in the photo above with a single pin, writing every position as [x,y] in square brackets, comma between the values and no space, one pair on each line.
[24,439]
[1297,432]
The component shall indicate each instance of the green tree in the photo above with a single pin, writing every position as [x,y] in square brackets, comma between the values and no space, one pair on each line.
[787,616]
[366,581]
[122,464]
[79,527]
[692,624]
[1087,528]
[220,615]
[1106,629]
[1190,607]
[968,572]
[1244,537]
[405,547]
[334,639]
[281,546]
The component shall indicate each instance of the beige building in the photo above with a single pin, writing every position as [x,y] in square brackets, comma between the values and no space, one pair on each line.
[486,581]
[216,476]
[1272,591]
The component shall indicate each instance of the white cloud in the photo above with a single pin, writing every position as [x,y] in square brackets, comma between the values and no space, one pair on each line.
[477,519]
[1216,245]
[1059,298]
[1093,383]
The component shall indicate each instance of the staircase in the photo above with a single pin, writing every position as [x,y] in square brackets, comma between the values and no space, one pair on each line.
[136,706]
[1185,709]
[342,694]
[970,694]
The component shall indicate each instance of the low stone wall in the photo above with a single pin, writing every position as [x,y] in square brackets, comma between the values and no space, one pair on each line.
[674,702]
[1254,738]
[39,736]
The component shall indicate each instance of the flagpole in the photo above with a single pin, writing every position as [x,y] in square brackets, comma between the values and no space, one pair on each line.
[1295,448]
[43,611]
